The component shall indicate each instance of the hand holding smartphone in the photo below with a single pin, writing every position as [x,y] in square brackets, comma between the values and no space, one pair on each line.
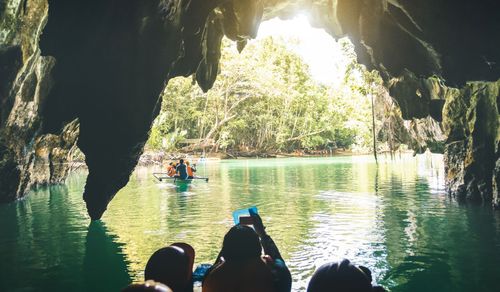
[257,224]
[250,216]
[243,216]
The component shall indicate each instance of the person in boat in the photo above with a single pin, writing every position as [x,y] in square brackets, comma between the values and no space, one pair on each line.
[148,286]
[342,276]
[172,266]
[181,170]
[171,169]
[241,266]
[190,170]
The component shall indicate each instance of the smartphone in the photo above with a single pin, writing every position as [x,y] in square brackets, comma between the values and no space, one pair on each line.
[244,213]
[246,220]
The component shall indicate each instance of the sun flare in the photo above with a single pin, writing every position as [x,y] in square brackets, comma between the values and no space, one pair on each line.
[319,50]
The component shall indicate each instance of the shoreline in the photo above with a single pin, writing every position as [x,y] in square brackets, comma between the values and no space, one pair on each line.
[150,158]
[159,158]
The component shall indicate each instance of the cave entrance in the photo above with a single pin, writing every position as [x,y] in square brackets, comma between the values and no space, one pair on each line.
[293,90]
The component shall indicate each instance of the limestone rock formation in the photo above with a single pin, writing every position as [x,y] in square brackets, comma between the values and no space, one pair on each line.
[471,125]
[28,156]
[496,181]
[104,64]
[411,121]
[424,134]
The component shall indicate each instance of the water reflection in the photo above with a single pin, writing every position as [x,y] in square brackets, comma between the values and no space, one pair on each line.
[45,245]
[393,218]
[104,264]
[182,187]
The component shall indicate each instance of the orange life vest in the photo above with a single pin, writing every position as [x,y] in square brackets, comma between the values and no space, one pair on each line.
[171,170]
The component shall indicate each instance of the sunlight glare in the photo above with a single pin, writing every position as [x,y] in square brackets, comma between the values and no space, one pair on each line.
[319,50]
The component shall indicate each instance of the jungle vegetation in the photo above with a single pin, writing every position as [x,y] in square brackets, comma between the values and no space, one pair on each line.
[265,99]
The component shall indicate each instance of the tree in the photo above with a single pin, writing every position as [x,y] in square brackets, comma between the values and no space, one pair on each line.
[265,99]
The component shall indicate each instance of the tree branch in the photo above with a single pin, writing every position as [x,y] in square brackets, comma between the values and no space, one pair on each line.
[304,136]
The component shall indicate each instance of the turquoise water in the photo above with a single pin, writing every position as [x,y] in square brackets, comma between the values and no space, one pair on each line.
[395,219]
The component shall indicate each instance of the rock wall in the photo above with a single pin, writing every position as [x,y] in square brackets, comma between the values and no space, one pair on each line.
[28,156]
[471,124]
[103,64]
[404,121]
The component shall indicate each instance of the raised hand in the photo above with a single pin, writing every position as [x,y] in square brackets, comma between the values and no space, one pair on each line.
[257,224]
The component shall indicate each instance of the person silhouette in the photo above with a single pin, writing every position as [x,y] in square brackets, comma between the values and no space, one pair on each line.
[241,266]
[172,266]
[148,286]
[342,277]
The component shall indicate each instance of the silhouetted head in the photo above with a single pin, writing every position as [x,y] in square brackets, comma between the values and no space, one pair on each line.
[241,243]
[171,163]
[147,286]
[172,265]
[342,277]
[181,161]
[189,251]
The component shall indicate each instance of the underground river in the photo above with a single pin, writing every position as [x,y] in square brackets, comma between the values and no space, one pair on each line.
[395,219]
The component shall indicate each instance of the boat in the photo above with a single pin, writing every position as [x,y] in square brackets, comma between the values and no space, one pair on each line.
[162,176]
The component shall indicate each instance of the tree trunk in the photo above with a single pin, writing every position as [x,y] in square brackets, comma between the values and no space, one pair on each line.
[373,128]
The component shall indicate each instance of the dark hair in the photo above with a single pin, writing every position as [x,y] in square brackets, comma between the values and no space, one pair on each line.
[148,286]
[241,243]
[181,161]
[168,265]
[342,277]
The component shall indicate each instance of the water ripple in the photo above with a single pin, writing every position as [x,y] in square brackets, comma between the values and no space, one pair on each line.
[394,219]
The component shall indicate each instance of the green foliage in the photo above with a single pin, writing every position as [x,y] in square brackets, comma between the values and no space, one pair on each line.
[265,99]
[168,141]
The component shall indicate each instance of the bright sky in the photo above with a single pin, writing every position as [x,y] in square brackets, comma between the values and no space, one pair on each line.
[318,49]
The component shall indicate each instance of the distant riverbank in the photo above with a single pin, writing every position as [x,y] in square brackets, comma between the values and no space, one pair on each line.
[152,158]
[159,157]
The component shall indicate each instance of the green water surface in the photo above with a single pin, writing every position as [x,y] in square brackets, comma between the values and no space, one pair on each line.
[394,219]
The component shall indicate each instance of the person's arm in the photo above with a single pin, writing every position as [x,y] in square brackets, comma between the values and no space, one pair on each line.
[282,275]
[266,241]
[218,262]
